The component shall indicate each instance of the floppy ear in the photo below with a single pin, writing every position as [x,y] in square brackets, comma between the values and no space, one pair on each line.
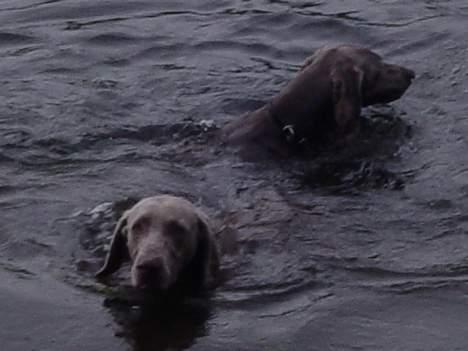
[118,251]
[206,258]
[347,99]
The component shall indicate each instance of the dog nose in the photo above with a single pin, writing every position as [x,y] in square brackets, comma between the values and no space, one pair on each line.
[410,74]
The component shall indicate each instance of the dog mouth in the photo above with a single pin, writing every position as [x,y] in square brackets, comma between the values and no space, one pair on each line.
[152,286]
[411,75]
[151,277]
[390,94]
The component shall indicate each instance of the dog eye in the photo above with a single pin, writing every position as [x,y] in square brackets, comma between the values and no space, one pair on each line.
[141,225]
[176,231]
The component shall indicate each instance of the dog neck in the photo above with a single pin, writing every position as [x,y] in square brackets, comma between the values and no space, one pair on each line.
[290,132]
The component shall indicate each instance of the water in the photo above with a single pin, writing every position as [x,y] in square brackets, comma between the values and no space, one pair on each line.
[102,101]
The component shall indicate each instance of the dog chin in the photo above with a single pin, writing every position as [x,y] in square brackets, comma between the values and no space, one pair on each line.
[152,285]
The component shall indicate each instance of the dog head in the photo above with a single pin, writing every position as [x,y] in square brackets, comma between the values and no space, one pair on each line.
[165,237]
[382,82]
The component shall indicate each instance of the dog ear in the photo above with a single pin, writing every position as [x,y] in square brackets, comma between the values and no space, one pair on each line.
[118,251]
[206,258]
[347,98]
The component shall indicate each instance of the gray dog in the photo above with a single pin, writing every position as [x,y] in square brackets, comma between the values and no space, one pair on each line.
[323,102]
[170,243]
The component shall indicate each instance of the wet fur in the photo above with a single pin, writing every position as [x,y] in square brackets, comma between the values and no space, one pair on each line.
[170,243]
[323,102]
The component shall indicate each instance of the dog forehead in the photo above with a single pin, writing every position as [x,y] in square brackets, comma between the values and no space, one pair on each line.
[163,207]
[358,52]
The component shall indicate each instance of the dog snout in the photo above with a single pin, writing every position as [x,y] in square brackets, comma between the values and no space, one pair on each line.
[409,74]
[151,274]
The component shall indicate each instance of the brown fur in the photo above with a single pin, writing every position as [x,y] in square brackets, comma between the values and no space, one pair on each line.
[323,102]
[169,241]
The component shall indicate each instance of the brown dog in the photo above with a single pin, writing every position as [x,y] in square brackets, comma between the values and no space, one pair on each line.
[323,102]
[170,243]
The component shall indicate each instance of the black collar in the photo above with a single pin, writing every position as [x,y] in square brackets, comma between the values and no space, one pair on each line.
[289,132]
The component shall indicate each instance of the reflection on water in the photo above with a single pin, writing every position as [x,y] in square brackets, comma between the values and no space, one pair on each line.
[105,102]
[174,326]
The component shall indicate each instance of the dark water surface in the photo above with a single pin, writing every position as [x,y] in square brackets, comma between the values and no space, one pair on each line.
[105,100]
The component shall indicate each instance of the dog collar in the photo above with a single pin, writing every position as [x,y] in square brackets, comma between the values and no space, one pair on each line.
[289,131]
